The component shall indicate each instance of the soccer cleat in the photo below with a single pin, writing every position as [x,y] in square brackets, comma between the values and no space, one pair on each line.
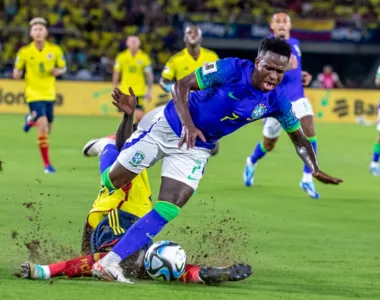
[249,172]
[309,188]
[375,170]
[112,272]
[30,270]
[29,122]
[95,146]
[236,272]
[49,169]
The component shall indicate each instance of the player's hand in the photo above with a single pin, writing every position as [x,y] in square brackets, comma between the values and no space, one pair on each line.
[324,178]
[306,78]
[189,135]
[56,72]
[126,103]
[148,96]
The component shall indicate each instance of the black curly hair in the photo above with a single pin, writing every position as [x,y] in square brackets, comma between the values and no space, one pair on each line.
[275,45]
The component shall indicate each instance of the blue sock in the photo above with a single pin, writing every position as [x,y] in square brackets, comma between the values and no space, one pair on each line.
[140,234]
[258,153]
[313,142]
[143,231]
[376,152]
[108,157]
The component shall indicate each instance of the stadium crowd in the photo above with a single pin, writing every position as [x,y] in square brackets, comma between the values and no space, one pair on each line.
[92,32]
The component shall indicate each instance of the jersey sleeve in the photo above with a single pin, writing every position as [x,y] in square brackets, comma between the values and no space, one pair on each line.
[335,77]
[61,61]
[285,114]
[169,70]
[117,64]
[220,72]
[147,64]
[20,60]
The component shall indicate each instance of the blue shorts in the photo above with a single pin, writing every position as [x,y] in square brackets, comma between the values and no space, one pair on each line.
[43,108]
[111,229]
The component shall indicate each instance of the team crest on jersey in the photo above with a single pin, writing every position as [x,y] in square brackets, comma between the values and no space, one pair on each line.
[139,62]
[258,111]
[49,56]
[137,159]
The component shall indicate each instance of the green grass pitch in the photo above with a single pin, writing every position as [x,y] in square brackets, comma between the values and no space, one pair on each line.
[300,248]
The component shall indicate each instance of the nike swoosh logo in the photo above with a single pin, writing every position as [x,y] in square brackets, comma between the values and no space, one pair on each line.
[231,95]
[149,236]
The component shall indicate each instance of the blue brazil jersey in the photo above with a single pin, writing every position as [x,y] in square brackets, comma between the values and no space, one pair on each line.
[227,101]
[292,81]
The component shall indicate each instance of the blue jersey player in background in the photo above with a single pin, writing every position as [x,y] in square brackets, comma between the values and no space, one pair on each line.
[228,94]
[293,82]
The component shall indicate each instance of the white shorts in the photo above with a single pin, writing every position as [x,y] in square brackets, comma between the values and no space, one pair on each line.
[146,146]
[302,108]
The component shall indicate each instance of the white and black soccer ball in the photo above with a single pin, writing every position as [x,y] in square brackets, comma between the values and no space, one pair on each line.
[165,260]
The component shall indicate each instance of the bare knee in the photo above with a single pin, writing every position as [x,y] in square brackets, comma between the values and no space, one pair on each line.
[269,143]
[307,124]
[120,176]
[175,192]
[42,125]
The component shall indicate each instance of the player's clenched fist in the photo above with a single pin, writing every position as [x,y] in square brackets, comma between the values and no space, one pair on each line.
[126,103]
[189,135]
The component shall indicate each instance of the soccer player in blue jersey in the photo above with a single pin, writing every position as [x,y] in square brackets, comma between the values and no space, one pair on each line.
[293,85]
[227,94]
[374,166]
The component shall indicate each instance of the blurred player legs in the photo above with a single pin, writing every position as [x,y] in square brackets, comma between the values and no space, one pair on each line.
[374,166]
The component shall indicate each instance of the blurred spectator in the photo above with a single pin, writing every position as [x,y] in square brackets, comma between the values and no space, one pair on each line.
[92,32]
[329,79]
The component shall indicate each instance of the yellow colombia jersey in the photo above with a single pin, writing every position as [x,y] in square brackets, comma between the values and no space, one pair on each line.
[39,81]
[183,64]
[132,69]
[137,202]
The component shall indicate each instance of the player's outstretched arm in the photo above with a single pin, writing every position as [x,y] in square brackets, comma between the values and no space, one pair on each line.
[180,91]
[306,152]
[127,104]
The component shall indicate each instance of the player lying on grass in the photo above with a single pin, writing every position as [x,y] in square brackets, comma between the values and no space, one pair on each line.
[113,213]
[227,95]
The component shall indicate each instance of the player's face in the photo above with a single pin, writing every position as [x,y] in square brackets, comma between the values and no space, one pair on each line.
[38,33]
[193,35]
[271,68]
[281,25]
[133,43]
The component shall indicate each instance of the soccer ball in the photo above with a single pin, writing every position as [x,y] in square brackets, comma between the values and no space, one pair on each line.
[165,260]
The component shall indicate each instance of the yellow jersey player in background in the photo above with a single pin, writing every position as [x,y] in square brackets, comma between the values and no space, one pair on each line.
[135,68]
[187,61]
[43,62]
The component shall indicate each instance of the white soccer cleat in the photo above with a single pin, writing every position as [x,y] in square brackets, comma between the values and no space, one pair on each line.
[111,272]
[30,270]
[374,169]
[249,172]
[95,146]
